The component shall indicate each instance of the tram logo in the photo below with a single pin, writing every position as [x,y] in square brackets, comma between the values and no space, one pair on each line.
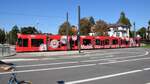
[54,43]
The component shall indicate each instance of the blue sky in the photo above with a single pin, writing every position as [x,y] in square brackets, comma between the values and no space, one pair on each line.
[47,15]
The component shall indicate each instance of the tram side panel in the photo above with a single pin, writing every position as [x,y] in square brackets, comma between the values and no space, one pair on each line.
[38,43]
[57,42]
[122,43]
[107,42]
[114,42]
[31,43]
[98,42]
[86,42]
[22,43]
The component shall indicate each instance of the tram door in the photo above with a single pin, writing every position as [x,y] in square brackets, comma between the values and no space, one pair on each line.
[73,41]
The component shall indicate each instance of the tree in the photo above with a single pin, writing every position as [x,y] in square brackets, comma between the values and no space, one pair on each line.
[63,28]
[149,22]
[131,33]
[86,24]
[101,28]
[29,30]
[2,36]
[123,20]
[13,35]
[142,32]
[91,19]
[74,30]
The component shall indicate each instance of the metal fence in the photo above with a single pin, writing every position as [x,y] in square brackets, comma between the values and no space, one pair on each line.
[6,50]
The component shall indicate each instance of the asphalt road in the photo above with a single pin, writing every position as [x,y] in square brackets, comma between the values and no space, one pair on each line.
[109,66]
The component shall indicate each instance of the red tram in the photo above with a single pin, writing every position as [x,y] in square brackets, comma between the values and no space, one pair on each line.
[42,42]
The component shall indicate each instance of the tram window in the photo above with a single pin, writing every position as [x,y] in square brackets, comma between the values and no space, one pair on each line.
[19,42]
[86,41]
[106,42]
[25,42]
[114,42]
[36,42]
[98,42]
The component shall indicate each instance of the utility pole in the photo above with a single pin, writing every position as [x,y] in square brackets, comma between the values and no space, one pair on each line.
[79,45]
[148,31]
[134,30]
[67,30]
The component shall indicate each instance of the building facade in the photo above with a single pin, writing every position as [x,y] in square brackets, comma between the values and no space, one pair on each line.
[118,31]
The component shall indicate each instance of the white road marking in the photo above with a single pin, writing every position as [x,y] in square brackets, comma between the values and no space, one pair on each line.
[147,83]
[47,64]
[96,57]
[108,59]
[110,56]
[16,60]
[47,69]
[76,66]
[104,77]
[147,69]
[124,61]
[146,53]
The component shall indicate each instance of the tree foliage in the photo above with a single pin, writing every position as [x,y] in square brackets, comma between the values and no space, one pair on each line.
[123,20]
[73,30]
[91,19]
[86,24]
[13,35]
[142,32]
[29,30]
[149,22]
[101,28]
[63,29]
[2,36]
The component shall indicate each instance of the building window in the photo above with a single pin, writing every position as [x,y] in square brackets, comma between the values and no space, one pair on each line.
[118,34]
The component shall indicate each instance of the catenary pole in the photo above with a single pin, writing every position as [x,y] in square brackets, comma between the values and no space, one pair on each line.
[79,45]
[67,32]
[134,30]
